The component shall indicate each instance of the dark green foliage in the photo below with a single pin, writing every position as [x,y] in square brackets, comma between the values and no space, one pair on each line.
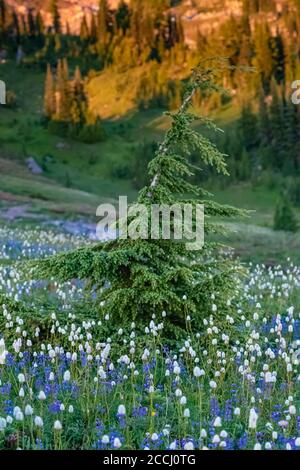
[142,157]
[88,133]
[138,278]
[66,106]
[248,128]
[270,137]
[284,218]
[79,105]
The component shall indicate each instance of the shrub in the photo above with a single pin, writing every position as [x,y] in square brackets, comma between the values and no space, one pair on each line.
[284,218]
[87,133]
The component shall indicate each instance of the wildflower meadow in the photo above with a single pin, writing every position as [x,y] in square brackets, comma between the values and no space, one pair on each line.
[144,344]
[71,381]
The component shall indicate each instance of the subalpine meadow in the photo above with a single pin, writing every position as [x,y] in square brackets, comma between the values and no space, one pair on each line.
[142,344]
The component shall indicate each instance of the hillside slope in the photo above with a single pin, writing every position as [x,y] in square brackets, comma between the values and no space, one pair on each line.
[197,15]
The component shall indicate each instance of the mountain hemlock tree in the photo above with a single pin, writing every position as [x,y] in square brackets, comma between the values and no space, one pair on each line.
[136,279]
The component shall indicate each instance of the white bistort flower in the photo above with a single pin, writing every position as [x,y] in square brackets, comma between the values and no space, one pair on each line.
[105,439]
[198,372]
[67,376]
[188,446]
[21,378]
[217,422]
[28,410]
[2,424]
[117,443]
[253,417]
[41,395]
[57,425]
[38,422]
[3,352]
[121,410]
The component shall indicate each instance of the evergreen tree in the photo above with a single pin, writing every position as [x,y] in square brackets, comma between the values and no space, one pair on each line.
[265,136]
[277,124]
[123,16]
[278,58]
[137,278]
[84,29]
[78,109]
[103,22]
[62,92]
[248,127]
[263,54]
[24,26]
[57,44]
[65,69]
[16,26]
[49,94]
[284,218]
[39,24]
[94,29]
[290,140]
[55,17]
[31,23]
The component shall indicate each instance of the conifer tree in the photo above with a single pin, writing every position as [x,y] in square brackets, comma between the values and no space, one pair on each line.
[39,24]
[16,26]
[65,69]
[284,218]
[78,109]
[31,23]
[84,29]
[263,58]
[49,94]
[94,29]
[24,26]
[123,16]
[55,17]
[136,278]
[248,127]
[62,92]
[277,124]
[102,22]
[265,135]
